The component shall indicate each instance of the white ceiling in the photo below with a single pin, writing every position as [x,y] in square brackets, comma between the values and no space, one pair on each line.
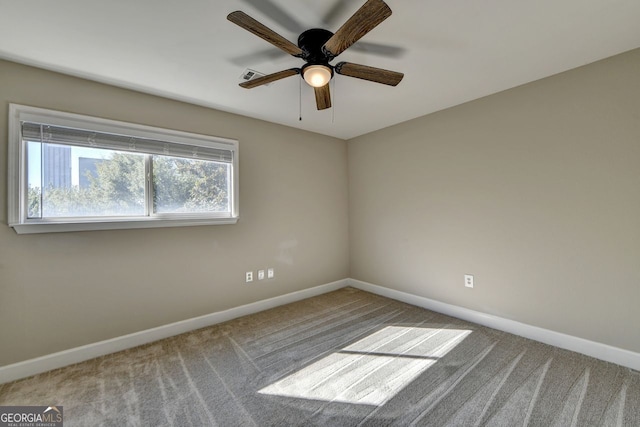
[454,51]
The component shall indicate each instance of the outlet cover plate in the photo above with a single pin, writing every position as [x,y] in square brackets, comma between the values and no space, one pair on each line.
[468,280]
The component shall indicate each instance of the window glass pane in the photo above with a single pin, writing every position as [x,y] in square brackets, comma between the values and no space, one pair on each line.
[34,180]
[80,182]
[189,185]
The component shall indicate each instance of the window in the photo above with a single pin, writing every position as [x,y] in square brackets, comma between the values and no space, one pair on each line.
[69,172]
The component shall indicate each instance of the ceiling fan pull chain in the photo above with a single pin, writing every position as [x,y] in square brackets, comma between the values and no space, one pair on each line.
[300,101]
[333,110]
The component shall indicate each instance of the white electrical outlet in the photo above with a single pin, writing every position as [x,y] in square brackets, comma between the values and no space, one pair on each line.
[260,274]
[249,276]
[468,280]
[271,273]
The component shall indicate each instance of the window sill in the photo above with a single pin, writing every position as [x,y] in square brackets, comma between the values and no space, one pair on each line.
[61,226]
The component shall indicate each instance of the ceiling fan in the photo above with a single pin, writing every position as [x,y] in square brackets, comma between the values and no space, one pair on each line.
[318,47]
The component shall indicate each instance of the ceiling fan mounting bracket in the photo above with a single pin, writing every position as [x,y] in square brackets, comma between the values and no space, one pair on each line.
[328,54]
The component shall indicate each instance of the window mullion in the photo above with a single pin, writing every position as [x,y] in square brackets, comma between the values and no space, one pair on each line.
[148,189]
[41,207]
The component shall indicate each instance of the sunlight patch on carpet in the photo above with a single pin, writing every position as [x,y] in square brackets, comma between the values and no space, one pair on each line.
[372,370]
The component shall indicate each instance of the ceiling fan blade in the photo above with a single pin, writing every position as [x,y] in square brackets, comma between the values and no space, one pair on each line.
[377,75]
[270,78]
[248,23]
[323,97]
[372,13]
[279,15]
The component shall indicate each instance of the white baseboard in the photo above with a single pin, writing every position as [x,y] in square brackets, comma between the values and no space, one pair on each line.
[80,354]
[600,351]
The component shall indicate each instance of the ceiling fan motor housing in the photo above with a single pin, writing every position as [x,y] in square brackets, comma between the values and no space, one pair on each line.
[311,42]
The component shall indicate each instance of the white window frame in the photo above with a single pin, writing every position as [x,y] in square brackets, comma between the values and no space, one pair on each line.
[18,182]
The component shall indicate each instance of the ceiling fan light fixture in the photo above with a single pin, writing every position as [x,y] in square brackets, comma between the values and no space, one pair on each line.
[317,75]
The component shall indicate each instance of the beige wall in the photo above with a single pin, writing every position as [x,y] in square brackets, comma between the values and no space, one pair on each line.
[59,291]
[535,191]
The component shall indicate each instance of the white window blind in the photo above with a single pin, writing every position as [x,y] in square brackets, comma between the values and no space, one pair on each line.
[46,133]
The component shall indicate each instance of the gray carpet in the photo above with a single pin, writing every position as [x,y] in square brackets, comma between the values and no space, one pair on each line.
[347,358]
